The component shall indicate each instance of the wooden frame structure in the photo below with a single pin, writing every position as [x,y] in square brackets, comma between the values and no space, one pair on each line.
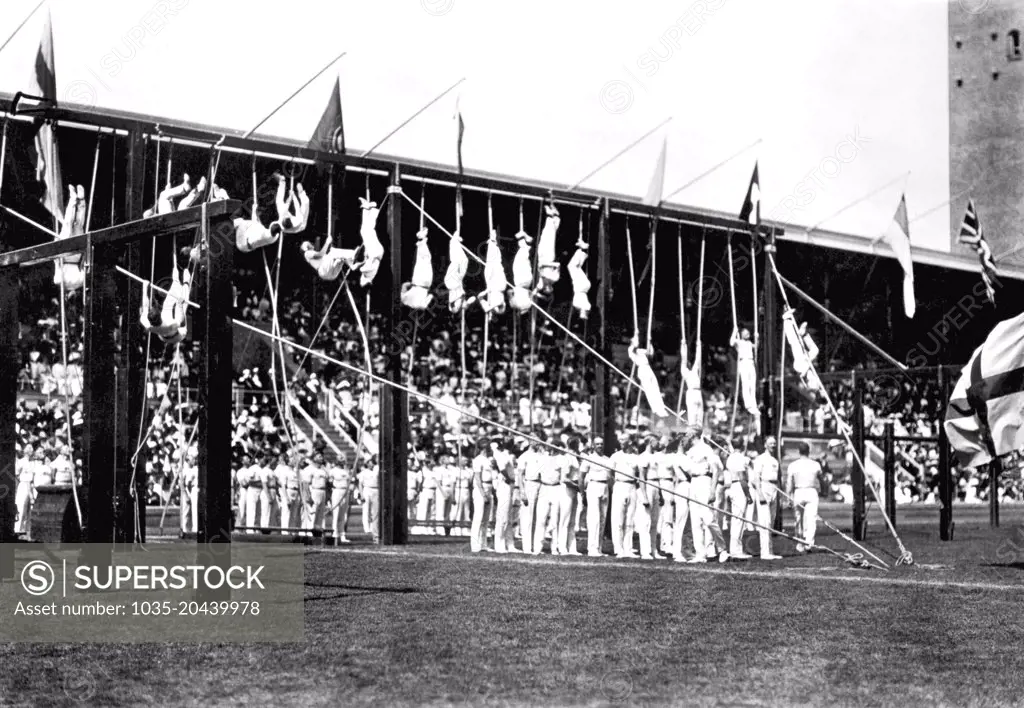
[117,366]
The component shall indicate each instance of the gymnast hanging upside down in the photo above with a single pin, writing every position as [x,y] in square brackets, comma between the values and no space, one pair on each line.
[70,272]
[373,251]
[493,299]
[185,195]
[169,323]
[804,351]
[522,274]
[292,215]
[328,261]
[547,261]
[648,381]
[580,281]
[416,293]
[458,264]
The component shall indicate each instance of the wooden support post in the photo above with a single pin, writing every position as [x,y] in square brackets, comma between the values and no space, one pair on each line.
[768,339]
[10,364]
[856,473]
[946,486]
[889,449]
[604,410]
[131,498]
[994,468]
[769,425]
[99,406]
[214,331]
[394,419]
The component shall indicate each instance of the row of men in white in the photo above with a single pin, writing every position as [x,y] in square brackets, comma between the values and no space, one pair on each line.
[298,495]
[34,471]
[657,486]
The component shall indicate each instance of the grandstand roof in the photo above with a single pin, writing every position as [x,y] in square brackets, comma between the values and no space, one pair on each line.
[553,90]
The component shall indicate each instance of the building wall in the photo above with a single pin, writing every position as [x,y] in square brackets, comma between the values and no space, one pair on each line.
[986,122]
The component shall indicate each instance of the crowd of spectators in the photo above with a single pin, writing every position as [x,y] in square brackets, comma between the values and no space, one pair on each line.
[551,388]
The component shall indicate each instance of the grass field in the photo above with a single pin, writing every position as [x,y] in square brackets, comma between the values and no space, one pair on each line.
[433,624]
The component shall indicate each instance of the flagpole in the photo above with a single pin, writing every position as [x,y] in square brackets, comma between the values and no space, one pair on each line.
[621,152]
[935,208]
[18,28]
[721,164]
[861,199]
[316,76]
[414,116]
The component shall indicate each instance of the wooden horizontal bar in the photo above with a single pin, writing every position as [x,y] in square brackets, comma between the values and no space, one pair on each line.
[130,232]
[288,149]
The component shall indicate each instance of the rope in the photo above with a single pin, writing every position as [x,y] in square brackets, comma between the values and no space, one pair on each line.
[92,185]
[735,329]
[170,160]
[831,526]
[327,313]
[683,350]
[906,557]
[561,363]
[487,316]
[650,304]
[700,282]
[156,175]
[64,361]
[67,400]
[273,357]
[3,154]
[654,272]
[636,322]
[515,363]
[551,318]
[113,179]
[368,394]
[782,389]
[564,451]
[179,476]
[753,273]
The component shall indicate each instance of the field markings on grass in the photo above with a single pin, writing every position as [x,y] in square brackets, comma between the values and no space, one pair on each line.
[708,569]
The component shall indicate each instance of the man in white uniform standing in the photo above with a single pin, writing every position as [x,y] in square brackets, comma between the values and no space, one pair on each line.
[548,501]
[596,479]
[270,495]
[291,491]
[341,500]
[624,499]
[528,469]
[190,494]
[315,477]
[764,475]
[738,493]
[565,531]
[704,475]
[802,482]
[504,489]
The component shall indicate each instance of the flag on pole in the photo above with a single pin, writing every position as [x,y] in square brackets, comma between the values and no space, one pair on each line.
[972,235]
[462,131]
[458,151]
[330,131]
[751,210]
[657,186]
[898,238]
[43,83]
[983,419]
[963,426]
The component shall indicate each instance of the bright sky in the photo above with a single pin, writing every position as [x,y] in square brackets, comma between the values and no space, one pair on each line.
[845,95]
